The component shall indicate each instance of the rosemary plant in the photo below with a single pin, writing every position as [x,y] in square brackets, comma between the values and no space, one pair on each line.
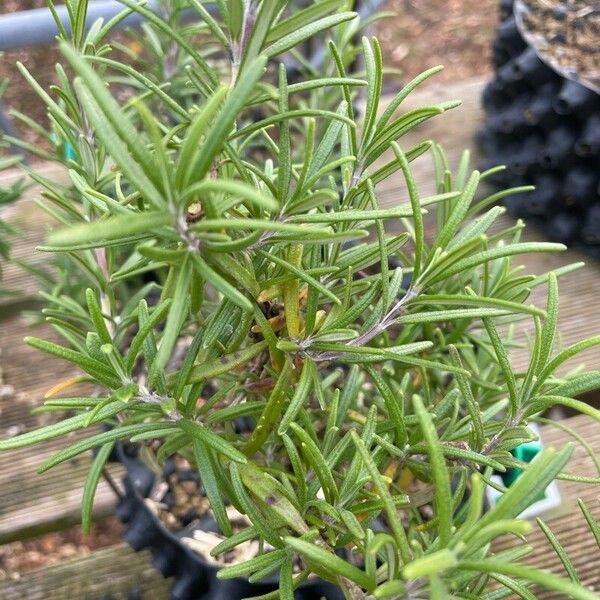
[240,263]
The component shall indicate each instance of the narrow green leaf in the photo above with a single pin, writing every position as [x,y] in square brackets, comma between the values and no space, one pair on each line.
[317,461]
[191,149]
[559,550]
[268,419]
[592,524]
[527,488]
[270,492]
[331,562]
[221,284]
[217,135]
[301,274]
[439,470]
[124,432]
[504,363]
[303,387]
[436,562]
[91,484]
[299,35]
[225,363]
[413,194]
[210,485]
[175,319]
[543,578]
[216,442]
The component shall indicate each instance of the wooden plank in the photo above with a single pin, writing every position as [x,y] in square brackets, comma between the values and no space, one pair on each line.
[116,572]
[31,504]
[569,525]
[33,223]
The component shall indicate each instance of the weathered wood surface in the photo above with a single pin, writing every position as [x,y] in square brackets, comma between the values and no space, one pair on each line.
[111,573]
[30,503]
[32,223]
[569,525]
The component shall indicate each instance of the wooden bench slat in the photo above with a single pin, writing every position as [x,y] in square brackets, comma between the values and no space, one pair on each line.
[109,572]
[31,504]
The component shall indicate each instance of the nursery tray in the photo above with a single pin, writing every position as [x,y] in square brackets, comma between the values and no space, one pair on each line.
[115,573]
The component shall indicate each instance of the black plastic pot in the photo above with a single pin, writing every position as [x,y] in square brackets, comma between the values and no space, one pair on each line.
[194,578]
[546,130]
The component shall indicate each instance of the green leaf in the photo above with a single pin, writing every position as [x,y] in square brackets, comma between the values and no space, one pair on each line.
[458,213]
[403,94]
[95,368]
[578,385]
[263,23]
[303,33]
[482,301]
[543,578]
[164,26]
[286,580]
[270,492]
[217,135]
[144,330]
[59,429]
[317,461]
[97,233]
[124,432]
[177,312]
[436,562]
[302,17]
[270,560]
[439,471]
[303,388]
[301,274]
[225,363]
[216,442]
[416,209]
[504,363]
[331,562]
[565,355]
[91,484]
[263,526]
[559,550]
[592,524]
[95,89]
[527,488]
[388,502]
[240,191]
[466,264]
[97,316]
[210,485]
[267,420]
[221,284]
[374,69]
[470,402]
[191,149]
[434,316]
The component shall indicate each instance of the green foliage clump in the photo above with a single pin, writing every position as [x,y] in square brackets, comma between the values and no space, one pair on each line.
[240,264]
